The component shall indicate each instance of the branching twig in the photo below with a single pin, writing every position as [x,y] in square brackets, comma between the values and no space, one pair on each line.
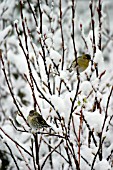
[99,152]
[106,111]
[50,154]
[57,152]
[34,15]
[83,37]
[16,127]
[27,56]
[49,102]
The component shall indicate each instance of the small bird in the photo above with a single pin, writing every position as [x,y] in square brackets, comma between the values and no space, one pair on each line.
[36,121]
[82,63]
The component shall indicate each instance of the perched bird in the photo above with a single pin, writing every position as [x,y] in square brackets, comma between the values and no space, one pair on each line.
[36,121]
[82,63]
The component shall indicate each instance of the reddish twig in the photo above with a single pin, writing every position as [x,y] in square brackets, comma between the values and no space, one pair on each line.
[24,158]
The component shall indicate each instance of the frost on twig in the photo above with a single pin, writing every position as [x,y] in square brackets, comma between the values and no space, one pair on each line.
[39,40]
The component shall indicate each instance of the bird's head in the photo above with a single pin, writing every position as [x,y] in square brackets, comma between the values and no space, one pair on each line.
[86,57]
[33,113]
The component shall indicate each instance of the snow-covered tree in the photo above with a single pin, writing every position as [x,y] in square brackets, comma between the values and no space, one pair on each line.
[39,39]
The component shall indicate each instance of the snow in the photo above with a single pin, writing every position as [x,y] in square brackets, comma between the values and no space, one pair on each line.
[4,33]
[20,120]
[55,56]
[48,42]
[63,75]
[98,57]
[85,87]
[104,165]
[44,29]
[95,120]
[55,88]
[99,60]
[57,101]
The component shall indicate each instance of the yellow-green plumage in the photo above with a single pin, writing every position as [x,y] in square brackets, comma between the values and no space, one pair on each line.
[36,121]
[82,63]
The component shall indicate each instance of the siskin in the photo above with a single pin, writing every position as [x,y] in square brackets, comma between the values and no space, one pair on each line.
[82,63]
[36,121]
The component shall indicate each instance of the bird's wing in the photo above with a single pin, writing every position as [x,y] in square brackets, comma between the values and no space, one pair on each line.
[83,62]
[42,121]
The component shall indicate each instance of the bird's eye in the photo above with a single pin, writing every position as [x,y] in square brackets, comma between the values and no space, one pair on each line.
[31,113]
[88,56]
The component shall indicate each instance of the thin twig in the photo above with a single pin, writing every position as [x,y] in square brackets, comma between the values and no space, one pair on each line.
[27,55]
[46,99]
[62,36]
[72,106]
[93,26]
[23,158]
[73,29]
[99,10]
[57,152]
[16,143]
[16,127]
[36,149]
[40,12]
[33,154]
[79,136]
[91,132]
[71,148]
[12,156]
[106,111]
[50,154]
[34,15]
[12,95]
[99,151]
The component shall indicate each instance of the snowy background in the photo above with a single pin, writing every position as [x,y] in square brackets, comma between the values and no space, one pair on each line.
[37,39]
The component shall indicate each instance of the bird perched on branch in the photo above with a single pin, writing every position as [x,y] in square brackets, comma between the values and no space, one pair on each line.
[82,63]
[36,121]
